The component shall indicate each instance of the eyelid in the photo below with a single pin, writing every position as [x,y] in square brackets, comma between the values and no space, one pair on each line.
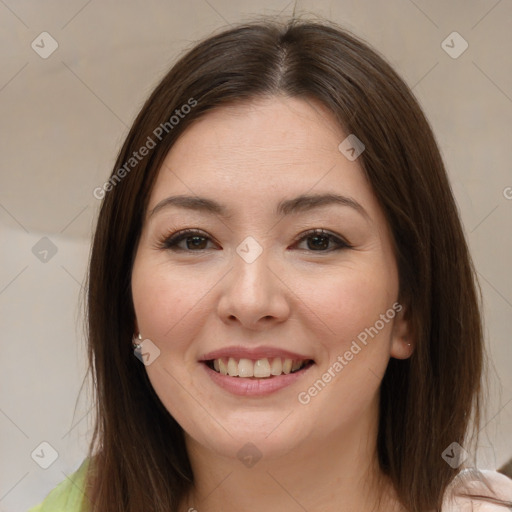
[172,239]
[177,236]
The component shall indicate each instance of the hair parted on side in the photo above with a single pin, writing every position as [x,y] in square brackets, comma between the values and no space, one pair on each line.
[138,455]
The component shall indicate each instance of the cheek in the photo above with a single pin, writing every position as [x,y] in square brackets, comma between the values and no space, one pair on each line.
[351,301]
[167,308]
[356,344]
[163,298]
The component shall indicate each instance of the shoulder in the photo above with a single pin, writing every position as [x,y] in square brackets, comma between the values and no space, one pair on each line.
[68,495]
[462,495]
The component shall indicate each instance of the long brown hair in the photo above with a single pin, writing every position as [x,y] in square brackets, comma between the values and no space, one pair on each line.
[427,402]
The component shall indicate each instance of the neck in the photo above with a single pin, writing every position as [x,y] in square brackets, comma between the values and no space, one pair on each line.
[338,472]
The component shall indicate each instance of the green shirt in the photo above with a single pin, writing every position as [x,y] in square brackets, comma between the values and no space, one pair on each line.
[68,495]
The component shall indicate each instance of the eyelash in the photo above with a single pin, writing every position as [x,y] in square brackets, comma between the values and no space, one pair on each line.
[171,240]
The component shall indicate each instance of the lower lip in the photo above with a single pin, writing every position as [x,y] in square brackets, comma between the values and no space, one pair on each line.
[243,386]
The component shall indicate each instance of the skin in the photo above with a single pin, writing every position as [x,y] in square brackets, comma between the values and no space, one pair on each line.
[315,456]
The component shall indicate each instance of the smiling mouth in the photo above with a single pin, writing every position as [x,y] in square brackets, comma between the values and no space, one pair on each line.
[264,368]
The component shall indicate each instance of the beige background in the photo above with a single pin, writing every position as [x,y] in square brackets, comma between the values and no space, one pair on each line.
[63,119]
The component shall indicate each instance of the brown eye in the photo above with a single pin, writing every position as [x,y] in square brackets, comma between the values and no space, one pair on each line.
[194,241]
[318,240]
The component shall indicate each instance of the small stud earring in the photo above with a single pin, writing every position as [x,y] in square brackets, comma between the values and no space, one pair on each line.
[137,341]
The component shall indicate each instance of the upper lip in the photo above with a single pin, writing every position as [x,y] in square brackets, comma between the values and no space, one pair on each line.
[240,352]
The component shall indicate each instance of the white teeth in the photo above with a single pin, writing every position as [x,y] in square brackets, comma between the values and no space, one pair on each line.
[277,366]
[232,367]
[262,368]
[246,368]
[222,367]
[296,365]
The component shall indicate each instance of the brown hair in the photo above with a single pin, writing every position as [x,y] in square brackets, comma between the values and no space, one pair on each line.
[427,401]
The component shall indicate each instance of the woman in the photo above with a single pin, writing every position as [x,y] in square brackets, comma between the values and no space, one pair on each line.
[279,242]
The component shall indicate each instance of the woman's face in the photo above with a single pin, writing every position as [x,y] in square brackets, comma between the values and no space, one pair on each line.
[254,286]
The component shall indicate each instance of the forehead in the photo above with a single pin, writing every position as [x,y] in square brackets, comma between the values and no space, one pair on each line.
[273,128]
[268,148]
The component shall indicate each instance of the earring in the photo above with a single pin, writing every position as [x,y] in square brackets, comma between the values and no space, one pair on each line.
[137,341]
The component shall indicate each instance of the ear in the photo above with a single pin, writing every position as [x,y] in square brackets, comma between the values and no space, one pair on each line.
[402,343]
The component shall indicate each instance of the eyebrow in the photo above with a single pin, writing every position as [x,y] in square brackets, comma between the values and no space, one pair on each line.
[300,204]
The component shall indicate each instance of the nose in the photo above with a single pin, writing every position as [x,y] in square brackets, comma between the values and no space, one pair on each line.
[254,294]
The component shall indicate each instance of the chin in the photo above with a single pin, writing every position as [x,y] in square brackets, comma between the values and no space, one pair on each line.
[268,436]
